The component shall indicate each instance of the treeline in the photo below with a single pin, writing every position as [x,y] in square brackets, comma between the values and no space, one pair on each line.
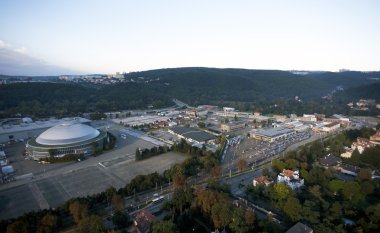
[182,147]
[142,154]
[326,202]
[63,99]
[66,158]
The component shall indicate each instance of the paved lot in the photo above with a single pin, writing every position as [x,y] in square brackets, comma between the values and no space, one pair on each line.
[50,185]
[126,170]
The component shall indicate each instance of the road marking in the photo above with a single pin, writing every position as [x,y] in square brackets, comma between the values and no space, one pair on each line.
[42,202]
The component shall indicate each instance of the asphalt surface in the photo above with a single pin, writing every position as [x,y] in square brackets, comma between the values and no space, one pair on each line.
[52,186]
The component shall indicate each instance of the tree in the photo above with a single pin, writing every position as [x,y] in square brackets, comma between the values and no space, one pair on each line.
[92,223]
[238,224]
[179,180]
[292,209]
[117,202]
[182,198]
[201,125]
[373,213]
[78,211]
[47,224]
[316,191]
[221,215]
[242,164]
[138,154]
[355,156]
[121,219]
[249,218]
[216,171]
[266,172]
[335,211]
[365,174]
[18,226]
[278,165]
[163,227]
[281,191]
[351,191]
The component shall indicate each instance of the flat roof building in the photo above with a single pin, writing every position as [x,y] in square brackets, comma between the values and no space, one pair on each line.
[231,126]
[272,134]
[191,134]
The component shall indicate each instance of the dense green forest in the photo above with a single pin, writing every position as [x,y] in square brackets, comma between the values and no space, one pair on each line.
[269,91]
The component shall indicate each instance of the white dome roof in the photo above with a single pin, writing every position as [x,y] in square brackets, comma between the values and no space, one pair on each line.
[67,134]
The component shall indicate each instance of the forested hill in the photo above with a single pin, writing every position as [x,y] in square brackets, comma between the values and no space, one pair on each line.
[199,84]
[192,85]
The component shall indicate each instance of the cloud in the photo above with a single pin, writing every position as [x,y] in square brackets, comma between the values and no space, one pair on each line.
[18,62]
[4,45]
[21,50]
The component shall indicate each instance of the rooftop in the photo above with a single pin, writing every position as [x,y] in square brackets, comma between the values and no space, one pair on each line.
[193,133]
[274,132]
[300,228]
[263,180]
[330,160]
[5,129]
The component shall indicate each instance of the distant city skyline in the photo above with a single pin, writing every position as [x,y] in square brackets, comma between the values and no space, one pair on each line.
[82,37]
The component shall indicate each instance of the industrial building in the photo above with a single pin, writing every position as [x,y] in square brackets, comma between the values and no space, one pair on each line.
[64,139]
[192,135]
[231,126]
[272,134]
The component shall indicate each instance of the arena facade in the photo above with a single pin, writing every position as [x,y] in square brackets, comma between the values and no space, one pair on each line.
[64,139]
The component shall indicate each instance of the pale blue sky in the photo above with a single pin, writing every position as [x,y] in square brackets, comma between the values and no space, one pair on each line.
[108,36]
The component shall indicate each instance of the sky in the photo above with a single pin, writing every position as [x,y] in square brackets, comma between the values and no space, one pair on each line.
[52,37]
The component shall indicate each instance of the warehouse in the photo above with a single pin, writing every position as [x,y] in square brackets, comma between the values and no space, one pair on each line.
[272,134]
[192,135]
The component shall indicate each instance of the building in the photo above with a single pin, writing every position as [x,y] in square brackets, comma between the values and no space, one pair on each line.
[348,169]
[300,228]
[297,126]
[342,120]
[280,118]
[347,153]
[291,178]
[308,118]
[375,139]
[228,109]
[69,138]
[23,131]
[192,135]
[143,220]
[232,126]
[262,180]
[331,127]
[330,161]
[361,144]
[272,134]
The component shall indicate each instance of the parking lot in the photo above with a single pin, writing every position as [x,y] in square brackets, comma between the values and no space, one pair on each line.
[50,185]
[256,150]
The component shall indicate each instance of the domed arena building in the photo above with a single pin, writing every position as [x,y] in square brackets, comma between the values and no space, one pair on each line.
[66,139]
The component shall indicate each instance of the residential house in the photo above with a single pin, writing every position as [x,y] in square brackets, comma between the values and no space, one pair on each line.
[290,178]
[262,180]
